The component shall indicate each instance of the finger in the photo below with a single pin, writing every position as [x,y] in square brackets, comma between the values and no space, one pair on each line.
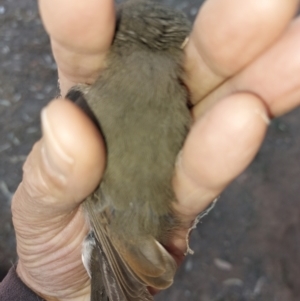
[228,35]
[280,89]
[273,77]
[63,168]
[67,163]
[219,147]
[81,33]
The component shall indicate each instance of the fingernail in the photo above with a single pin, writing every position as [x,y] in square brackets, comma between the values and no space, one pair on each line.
[264,116]
[57,162]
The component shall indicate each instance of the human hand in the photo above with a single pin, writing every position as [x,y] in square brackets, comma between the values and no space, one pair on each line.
[62,169]
[242,65]
[66,165]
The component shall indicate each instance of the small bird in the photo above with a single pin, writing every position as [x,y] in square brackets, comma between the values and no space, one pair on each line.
[139,103]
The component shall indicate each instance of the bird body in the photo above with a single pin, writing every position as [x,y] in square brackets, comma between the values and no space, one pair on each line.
[140,106]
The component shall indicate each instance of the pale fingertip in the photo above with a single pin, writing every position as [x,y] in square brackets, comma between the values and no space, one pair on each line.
[73,146]
[66,165]
[220,146]
[83,27]
[81,33]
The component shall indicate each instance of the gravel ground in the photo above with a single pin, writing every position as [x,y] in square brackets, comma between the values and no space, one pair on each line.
[246,249]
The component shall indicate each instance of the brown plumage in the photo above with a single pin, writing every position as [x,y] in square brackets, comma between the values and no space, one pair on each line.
[140,106]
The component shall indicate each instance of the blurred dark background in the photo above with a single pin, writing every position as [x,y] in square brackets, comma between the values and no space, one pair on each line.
[247,248]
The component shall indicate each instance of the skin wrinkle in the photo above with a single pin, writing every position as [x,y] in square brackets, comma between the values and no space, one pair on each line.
[40,227]
[71,248]
[37,261]
[33,192]
[195,65]
[36,193]
[81,65]
[67,267]
[46,285]
[60,237]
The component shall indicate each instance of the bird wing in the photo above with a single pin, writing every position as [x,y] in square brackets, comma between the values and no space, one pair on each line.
[117,281]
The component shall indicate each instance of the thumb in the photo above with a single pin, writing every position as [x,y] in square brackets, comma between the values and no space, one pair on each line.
[62,169]
[65,165]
